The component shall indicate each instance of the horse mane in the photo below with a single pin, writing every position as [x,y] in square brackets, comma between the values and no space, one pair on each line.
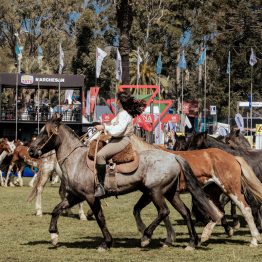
[140,145]
[71,131]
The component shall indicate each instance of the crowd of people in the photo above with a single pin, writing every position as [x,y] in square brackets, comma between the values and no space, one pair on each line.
[32,107]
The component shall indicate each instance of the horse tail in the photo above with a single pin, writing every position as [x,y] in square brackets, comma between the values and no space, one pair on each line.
[33,193]
[201,199]
[249,179]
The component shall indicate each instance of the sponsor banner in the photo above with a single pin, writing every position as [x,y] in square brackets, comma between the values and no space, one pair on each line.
[27,79]
[50,79]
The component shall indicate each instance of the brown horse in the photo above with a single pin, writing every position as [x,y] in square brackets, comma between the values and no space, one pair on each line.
[6,149]
[228,172]
[157,176]
[237,146]
[19,160]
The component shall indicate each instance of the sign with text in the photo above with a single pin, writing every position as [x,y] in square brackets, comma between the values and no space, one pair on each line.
[258,129]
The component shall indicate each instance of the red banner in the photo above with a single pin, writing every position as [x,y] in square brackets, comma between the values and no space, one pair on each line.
[170,118]
[106,118]
[93,94]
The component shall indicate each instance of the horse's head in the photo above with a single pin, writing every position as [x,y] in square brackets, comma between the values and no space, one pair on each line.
[8,146]
[47,139]
[237,140]
[180,143]
[197,141]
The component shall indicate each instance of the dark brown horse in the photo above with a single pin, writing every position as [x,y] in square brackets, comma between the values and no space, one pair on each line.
[229,173]
[157,176]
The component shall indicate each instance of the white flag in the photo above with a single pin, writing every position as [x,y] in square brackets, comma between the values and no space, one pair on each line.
[118,66]
[61,59]
[252,59]
[100,55]
[187,123]
[68,96]
[139,60]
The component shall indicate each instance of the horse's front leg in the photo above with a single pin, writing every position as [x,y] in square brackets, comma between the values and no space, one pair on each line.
[142,203]
[68,202]
[95,205]
[179,205]
[41,182]
[8,174]
[163,212]
[1,178]
[19,181]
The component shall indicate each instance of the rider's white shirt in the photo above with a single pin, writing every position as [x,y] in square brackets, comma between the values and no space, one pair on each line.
[119,124]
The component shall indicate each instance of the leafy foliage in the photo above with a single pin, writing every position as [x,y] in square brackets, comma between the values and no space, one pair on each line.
[155,26]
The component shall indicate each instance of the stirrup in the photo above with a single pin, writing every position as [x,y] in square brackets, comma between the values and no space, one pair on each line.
[100,191]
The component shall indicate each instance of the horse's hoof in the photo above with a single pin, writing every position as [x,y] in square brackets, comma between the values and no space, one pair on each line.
[204,239]
[258,238]
[237,226]
[189,248]
[82,217]
[39,213]
[102,249]
[253,243]
[230,233]
[167,244]
[145,241]
[54,239]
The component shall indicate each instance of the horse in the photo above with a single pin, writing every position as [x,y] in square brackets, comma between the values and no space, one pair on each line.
[157,175]
[19,160]
[229,173]
[6,149]
[252,157]
[49,165]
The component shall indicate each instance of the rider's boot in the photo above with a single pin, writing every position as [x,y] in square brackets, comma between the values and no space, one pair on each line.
[101,172]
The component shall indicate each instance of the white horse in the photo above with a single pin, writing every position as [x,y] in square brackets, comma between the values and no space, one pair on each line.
[49,166]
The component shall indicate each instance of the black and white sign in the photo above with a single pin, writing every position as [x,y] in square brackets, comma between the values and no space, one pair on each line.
[213,110]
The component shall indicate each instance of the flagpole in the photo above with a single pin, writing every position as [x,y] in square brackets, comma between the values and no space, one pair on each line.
[38,107]
[229,90]
[251,107]
[16,96]
[205,89]
[182,99]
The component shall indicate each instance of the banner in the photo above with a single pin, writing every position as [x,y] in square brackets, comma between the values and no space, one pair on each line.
[61,59]
[240,122]
[68,96]
[118,67]
[93,94]
[100,55]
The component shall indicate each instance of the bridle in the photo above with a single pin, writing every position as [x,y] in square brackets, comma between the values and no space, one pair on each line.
[78,145]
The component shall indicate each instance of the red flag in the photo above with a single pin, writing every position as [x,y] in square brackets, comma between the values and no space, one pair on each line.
[93,94]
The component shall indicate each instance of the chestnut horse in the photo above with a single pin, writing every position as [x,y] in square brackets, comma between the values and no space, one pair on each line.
[6,149]
[157,175]
[229,173]
[237,146]
[19,160]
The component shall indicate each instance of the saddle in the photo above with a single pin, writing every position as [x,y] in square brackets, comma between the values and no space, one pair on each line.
[124,162]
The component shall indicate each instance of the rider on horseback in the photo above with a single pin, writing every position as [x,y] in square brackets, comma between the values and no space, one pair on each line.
[120,129]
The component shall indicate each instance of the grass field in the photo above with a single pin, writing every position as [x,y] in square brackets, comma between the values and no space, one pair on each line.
[25,237]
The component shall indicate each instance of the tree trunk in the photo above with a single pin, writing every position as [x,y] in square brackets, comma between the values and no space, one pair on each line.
[124,23]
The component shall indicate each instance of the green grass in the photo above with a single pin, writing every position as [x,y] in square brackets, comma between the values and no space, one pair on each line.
[25,237]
